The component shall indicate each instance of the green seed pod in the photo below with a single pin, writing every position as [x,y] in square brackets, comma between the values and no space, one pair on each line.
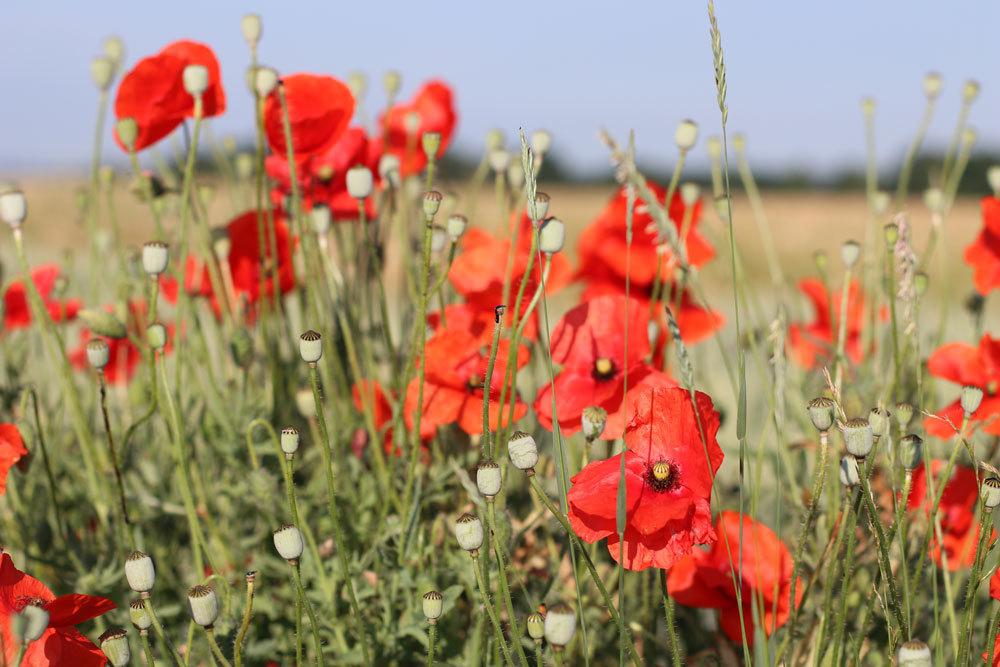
[103,323]
[821,413]
[911,449]
[880,420]
[535,625]
[859,437]
[560,625]
[433,604]
[114,643]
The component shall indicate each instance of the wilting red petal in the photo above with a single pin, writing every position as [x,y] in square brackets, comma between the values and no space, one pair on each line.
[319,109]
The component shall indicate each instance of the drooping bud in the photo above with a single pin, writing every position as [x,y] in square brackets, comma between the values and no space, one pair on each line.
[911,451]
[431,143]
[541,142]
[881,422]
[551,236]
[523,451]
[156,336]
[858,437]
[456,226]
[972,398]
[821,412]
[359,182]
[114,644]
[138,615]
[288,542]
[432,202]
[535,625]
[849,253]
[488,478]
[155,255]
[139,572]
[469,533]
[433,604]
[560,625]
[290,438]
[686,135]
[251,26]
[13,208]
[990,492]
[311,346]
[102,71]
[850,475]
[98,353]
[195,80]
[203,603]
[592,421]
[932,85]
[904,414]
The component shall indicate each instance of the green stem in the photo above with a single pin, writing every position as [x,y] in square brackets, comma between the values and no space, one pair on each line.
[214,645]
[883,556]
[484,592]
[498,548]
[431,637]
[147,649]
[301,595]
[160,633]
[676,654]
[818,481]
[968,611]
[241,635]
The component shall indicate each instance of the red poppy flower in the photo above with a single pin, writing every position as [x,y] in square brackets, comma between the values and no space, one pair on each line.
[124,356]
[61,643]
[16,311]
[589,344]
[477,321]
[995,585]
[433,109]
[319,109]
[983,254]
[704,579]
[372,393]
[959,527]
[455,370]
[812,344]
[965,364]
[996,652]
[152,93]
[668,481]
[12,450]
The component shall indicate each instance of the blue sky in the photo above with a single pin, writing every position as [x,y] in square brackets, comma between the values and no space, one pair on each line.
[797,70]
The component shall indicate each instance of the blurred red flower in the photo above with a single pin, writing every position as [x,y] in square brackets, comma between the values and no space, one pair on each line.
[704,579]
[152,93]
[61,643]
[432,109]
[589,344]
[983,254]
[16,311]
[456,363]
[372,393]
[668,482]
[966,364]
[12,450]
[124,356]
[319,109]
[813,343]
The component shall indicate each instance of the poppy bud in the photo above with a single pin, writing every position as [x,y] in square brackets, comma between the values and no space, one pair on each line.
[433,604]
[515,176]
[551,236]
[204,605]
[499,160]
[820,259]
[690,193]
[359,182]
[523,451]
[114,48]
[155,255]
[913,653]
[139,616]
[880,203]
[265,80]
[541,142]
[456,226]
[488,478]
[535,624]
[494,140]
[358,83]
[251,26]
[311,346]
[970,91]
[714,147]
[128,131]
[439,238]
[31,622]
[195,80]
[305,403]
[560,624]
[432,202]
[290,438]
[469,533]
[539,207]
[686,135]
[880,420]
[388,169]
[431,143]
[868,105]
[821,411]
[392,81]
[102,71]
[593,421]
[139,572]
[990,492]
[911,451]
[103,323]
[904,414]
[849,473]
[156,336]
[288,542]
[859,437]
[13,208]
[932,85]
[972,398]
[849,253]
[934,199]
[98,353]
[114,643]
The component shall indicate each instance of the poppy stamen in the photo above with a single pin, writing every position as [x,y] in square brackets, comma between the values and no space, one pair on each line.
[474,382]
[604,369]
[662,476]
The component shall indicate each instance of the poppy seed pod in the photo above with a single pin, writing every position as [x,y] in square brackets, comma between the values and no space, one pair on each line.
[494,140]
[535,625]
[970,91]
[690,193]
[114,48]
[265,80]
[431,143]
[560,624]
[360,182]
[523,450]
[321,219]
[411,123]
[288,542]
[305,403]
[972,398]
[993,178]
[203,602]
[431,203]
[990,492]
[911,451]
[195,80]
[541,142]
[311,346]
[934,199]
[127,130]
[439,238]
[102,71]
[499,160]
[592,421]
[139,572]
[913,653]
[551,236]
[31,622]
[821,410]
[686,135]
[290,438]
[155,255]
[251,27]
[539,207]
[156,336]
[114,644]
[456,226]
[881,421]
[868,105]
[469,533]
[139,616]
[515,176]
[358,83]
[13,208]
[859,437]
[714,147]
[904,414]
[850,251]
[433,604]
[388,169]
[880,202]
[221,246]
[850,475]
[98,353]
[488,478]
[932,85]
[392,81]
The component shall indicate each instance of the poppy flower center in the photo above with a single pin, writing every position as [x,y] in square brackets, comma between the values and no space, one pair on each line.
[324,173]
[474,382]
[993,387]
[604,369]
[661,476]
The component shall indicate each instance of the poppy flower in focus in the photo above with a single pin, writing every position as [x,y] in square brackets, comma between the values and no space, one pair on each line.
[16,311]
[12,450]
[959,527]
[704,579]
[123,355]
[153,94]
[432,109]
[61,643]
[965,364]
[668,479]
[589,344]
[455,363]
[983,254]
[477,321]
[813,344]
[319,109]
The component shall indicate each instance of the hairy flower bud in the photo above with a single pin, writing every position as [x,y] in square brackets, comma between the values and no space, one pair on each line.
[488,478]
[288,542]
[821,412]
[523,451]
[560,625]
[114,644]
[155,256]
[98,353]
[859,437]
[432,603]
[203,603]
[139,572]
[311,346]
[469,533]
